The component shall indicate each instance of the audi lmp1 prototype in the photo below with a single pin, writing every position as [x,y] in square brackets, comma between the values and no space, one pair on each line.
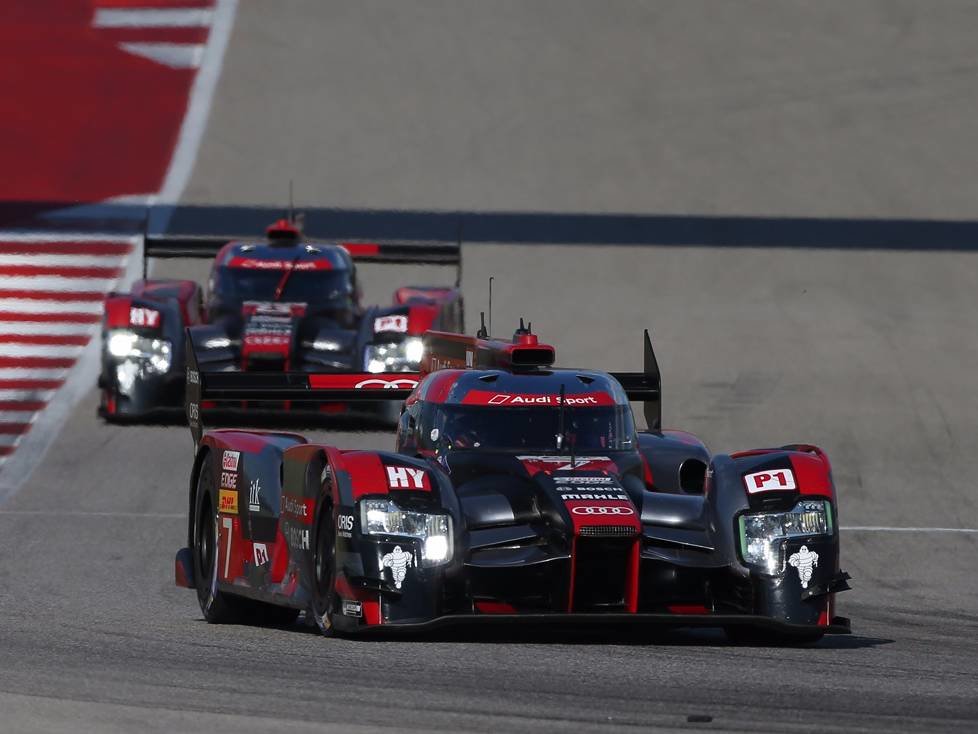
[516,492]
[284,304]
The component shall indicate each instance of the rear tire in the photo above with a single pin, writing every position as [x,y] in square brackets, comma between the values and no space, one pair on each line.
[218,607]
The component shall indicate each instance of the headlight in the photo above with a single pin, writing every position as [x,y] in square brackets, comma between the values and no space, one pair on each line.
[402,356]
[763,535]
[154,356]
[383,517]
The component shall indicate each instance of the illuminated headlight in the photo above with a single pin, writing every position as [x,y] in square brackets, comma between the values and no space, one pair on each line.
[413,350]
[402,356]
[154,356]
[763,535]
[383,517]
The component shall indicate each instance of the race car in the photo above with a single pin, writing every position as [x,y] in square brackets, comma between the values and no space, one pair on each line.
[282,304]
[516,492]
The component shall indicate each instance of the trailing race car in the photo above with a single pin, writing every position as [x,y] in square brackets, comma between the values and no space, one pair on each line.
[283,304]
[516,492]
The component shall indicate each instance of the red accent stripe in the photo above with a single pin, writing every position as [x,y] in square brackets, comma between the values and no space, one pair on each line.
[64,271]
[56,339]
[65,248]
[22,404]
[363,249]
[39,362]
[66,318]
[494,607]
[53,295]
[31,384]
[687,609]
[14,429]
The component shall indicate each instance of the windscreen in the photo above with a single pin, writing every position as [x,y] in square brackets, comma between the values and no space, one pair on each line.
[315,287]
[536,429]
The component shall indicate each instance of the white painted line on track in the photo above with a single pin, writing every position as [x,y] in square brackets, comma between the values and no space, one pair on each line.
[884,529]
[9,439]
[16,416]
[39,350]
[47,328]
[31,373]
[49,305]
[23,394]
[28,237]
[56,283]
[153,17]
[174,55]
[72,261]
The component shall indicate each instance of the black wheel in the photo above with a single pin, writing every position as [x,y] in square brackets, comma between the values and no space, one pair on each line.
[324,571]
[757,636]
[217,606]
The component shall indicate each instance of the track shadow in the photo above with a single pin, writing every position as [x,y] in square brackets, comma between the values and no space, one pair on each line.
[528,228]
[540,634]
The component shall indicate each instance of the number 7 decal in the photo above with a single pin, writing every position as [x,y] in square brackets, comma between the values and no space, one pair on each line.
[227,523]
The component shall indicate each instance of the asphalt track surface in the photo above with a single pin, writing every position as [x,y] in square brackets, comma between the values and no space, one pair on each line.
[835,109]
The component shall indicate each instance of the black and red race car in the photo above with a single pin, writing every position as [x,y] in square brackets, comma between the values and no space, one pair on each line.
[516,492]
[282,304]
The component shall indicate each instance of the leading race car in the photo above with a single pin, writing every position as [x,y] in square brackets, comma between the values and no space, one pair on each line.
[516,492]
[282,304]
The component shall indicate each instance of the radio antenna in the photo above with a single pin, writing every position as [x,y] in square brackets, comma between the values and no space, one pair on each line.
[490,303]
[291,205]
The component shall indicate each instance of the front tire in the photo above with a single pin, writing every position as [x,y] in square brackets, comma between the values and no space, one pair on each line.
[324,571]
[218,607]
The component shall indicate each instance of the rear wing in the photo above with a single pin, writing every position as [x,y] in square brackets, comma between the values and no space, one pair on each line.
[203,387]
[645,386]
[207,246]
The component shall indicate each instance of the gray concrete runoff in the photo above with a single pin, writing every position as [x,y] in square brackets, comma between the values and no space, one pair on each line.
[832,109]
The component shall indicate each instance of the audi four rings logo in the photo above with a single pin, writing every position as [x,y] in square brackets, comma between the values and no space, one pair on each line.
[593,510]
[392,384]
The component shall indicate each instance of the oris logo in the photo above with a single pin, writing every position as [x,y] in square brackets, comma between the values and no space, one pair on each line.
[602,510]
[377,382]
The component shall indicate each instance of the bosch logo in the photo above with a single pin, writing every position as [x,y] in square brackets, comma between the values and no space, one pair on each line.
[602,510]
[376,382]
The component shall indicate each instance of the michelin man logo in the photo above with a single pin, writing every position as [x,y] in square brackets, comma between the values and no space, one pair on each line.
[397,561]
[805,561]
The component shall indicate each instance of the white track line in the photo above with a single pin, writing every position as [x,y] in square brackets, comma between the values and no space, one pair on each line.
[16,416]
[884,529]
[20,394]
[174,55]
[153,18]
[26,237]
[53,328]
[56,283]
[39,350]
[31,373]
[72,261]
[45,305]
